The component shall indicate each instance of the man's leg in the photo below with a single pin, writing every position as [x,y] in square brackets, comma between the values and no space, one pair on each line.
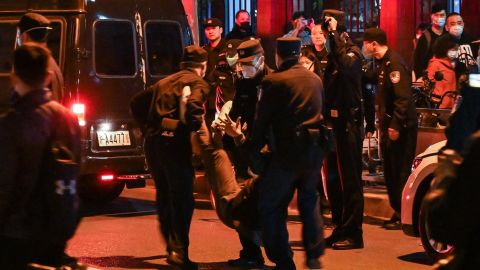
[275,192]
[335,196]
[309,204]
[349,151]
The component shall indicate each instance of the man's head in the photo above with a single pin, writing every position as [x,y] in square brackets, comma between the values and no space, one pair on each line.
[231,52]
[251,59]
[318,37]
[299,20]
[454,25]
[33,27]
[374,39]
[438,15]
[288,50]
[445,47]
[242,18]
[213,29]
[30,68]
[195,57]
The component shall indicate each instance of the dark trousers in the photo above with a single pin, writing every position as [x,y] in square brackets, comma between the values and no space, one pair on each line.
[170,162]
[276,189]
[344,180]
[397,163]
[16,254]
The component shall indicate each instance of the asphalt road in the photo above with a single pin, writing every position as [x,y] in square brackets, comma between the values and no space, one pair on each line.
[124,235]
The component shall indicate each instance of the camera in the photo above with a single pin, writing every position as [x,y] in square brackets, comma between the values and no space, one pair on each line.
[326,23]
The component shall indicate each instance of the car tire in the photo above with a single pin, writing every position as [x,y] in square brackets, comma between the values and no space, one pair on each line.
[92,191]
[435,250]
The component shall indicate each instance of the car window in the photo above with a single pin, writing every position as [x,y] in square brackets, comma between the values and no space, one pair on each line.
[164,47]
[114,48]
[8,35]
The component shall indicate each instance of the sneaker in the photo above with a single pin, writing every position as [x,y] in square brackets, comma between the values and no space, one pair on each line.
[245,263]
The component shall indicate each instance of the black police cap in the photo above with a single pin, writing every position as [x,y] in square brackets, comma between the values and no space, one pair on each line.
[337,14]
[375,34]
[247,50]
[33,20]
[288,46]
[212,22]
[232,45]
[194,54]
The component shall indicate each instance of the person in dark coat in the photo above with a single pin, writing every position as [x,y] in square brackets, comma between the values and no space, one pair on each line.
[26,134]
[288,116]
[242,29]
[178,110]
[423,51]
[397,117]
[34,28]
[344,114]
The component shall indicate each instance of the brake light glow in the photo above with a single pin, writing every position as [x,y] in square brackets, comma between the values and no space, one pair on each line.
[107,177]
[79,110]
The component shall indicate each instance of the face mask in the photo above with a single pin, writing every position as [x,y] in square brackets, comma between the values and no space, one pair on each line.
[456,30]
[249,72]
[245,25]
[452,54]
[232,60]
[440,22]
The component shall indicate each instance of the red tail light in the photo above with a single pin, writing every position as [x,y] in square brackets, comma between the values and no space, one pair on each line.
[79,110]
[107,177]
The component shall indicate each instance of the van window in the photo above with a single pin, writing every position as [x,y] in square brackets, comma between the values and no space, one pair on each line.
[164,47]
[114,48]
[8,35]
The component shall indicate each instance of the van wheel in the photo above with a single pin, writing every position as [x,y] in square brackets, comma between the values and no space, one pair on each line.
[92,191]
[434,249]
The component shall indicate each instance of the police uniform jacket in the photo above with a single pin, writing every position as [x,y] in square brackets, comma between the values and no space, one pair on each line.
[25,135]
[167,94]
[396,108]
[343,80]
[215,55]
[246,97]
[222,82]
[290,102]
[322,60]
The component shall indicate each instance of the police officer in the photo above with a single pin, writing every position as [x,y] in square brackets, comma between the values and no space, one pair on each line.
[178,110]
[289,113]
[34,28]
[216,49]
[343,93]
[397,116]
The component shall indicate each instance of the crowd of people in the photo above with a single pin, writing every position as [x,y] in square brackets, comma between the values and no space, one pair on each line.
[262,132]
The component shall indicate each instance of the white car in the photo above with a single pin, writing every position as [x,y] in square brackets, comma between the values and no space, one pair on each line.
[413,218]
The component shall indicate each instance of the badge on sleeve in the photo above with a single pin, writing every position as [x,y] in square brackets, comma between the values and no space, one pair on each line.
[395,76]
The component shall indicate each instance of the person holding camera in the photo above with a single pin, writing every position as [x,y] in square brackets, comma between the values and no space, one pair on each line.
[301,28]
[343,112]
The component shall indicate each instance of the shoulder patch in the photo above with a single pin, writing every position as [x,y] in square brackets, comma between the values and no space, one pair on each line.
[395,76]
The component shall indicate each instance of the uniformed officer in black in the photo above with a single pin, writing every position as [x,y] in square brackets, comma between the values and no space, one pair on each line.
[396,114]
[178,110]
[343,112]
[216,49]
[289,114]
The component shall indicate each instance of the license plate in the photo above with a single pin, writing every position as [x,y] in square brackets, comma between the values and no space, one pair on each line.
[113,138]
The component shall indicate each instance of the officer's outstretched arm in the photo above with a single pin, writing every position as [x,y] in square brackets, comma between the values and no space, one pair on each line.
[195,108]
[400,80]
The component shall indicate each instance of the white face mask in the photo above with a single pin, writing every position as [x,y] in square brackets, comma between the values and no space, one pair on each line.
[456,30]
[440,22]
[452,54]
[249,72]
[232,60]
